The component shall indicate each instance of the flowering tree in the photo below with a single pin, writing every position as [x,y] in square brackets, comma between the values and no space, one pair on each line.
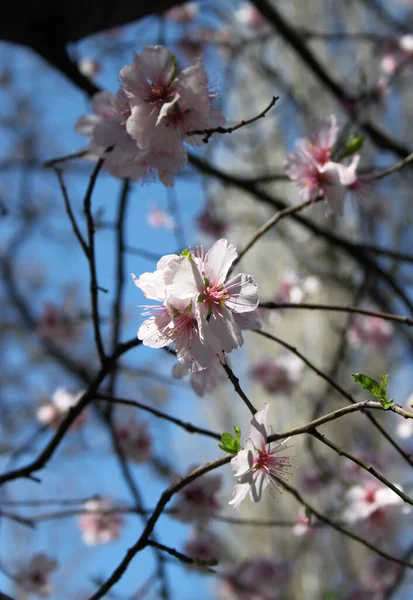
[138,441]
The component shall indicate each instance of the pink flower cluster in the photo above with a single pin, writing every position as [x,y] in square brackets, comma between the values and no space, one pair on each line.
[316,174]
[100,523]
[146,124]
[202,312]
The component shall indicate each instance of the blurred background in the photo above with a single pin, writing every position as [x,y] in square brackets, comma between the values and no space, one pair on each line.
[353,60]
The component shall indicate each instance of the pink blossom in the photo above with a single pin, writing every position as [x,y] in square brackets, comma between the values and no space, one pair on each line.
[210,223]
[371,332]
[54,413]
[202,382]
[258,464]
[278,375]
[100,523]
[203,546]
[89,67]
[370,502]
[405,426]
[250,16]
[303,524]
[312,481]
[198,500]
[166,103]
[398,55]
[201,280]
[172,322]
[258,578]
[35,577]
[202,313]
[311,167]
[184,14]
[55,323]
[135,440]
[296,289]
[107,130]
[158,219]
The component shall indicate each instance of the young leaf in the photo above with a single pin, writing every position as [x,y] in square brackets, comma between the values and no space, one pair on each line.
[376,389]
[186,252]
[230,443]
[353,145]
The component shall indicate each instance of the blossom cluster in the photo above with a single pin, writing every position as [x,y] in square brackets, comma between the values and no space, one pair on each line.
[101,522]
[312,167]
[202,312]
[146,124]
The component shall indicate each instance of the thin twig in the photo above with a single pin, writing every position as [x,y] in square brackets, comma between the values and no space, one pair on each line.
[87,207]
[70,212]
[161,415]
[270,223]
[235,382]
[209,132]
[55,161]
[337,527]
[338,308]
[339,389]
[206,564]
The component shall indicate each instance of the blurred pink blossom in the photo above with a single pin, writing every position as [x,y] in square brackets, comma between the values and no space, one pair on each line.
[370,502]
[204,546]
[158,219]
[371,332]
[278,375]
[89,67]
[35,576]
[303,525]
[250,16]
[198,500]
[398,55]
[134,439]
[211,224]
[54,413]
[258,578]
[100,523]
[184,14]
[405,426]
[55,323]
[202,382]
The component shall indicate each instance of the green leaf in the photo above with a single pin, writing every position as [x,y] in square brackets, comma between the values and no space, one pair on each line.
[376,389]
[230,443]
[186,252]
[353,144]
[308,513]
